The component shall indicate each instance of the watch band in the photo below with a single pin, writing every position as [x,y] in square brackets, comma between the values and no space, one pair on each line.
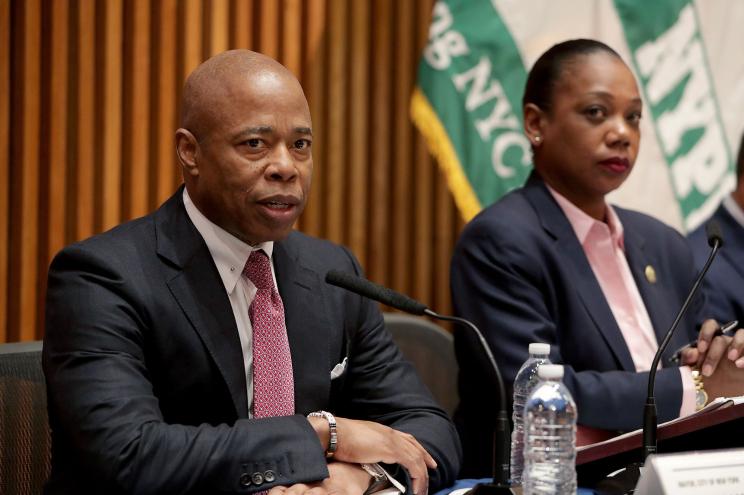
[701,396]
[333,434]
[379,478]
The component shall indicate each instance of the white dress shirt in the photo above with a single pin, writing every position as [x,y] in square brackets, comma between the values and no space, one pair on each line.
[230,255]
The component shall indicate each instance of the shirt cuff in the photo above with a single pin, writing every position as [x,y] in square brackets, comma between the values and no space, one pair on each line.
[688,392]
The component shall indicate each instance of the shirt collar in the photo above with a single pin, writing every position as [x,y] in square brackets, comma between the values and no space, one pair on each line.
[583,224]
[734,209]
[229,253]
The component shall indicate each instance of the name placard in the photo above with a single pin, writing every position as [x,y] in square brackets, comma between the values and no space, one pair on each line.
[715,472]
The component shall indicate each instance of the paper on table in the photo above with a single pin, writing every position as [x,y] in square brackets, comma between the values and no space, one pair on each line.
[717,403]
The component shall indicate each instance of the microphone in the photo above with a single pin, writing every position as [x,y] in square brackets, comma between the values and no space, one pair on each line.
[376,292]
[502,438]
[715,241]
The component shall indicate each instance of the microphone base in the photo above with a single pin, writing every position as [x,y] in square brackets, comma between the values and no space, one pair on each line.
[490,489]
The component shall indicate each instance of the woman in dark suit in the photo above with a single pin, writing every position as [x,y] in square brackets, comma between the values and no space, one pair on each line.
[554,262]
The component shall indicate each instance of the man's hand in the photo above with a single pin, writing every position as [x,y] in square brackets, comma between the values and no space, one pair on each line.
[367,442]
[344,479]
[711,349]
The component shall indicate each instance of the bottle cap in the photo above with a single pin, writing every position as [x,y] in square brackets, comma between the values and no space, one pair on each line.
[550,371]
[539,348]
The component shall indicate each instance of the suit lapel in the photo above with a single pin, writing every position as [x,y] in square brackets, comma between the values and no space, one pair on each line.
[638,261]
[567,245]
[307,326]
[196,285]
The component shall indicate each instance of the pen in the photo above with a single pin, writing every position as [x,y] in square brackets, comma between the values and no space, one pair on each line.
[724,329]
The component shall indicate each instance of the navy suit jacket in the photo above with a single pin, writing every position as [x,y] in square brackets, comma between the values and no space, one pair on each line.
[520,274]
[145,375]
[724,283]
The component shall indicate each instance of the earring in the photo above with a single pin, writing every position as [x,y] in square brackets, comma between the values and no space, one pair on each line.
[538,138]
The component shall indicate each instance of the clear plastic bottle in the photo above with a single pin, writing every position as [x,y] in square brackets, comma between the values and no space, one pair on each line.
[550,436]
[524,383]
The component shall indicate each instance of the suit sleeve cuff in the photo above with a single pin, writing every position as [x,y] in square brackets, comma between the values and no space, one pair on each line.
[688,392]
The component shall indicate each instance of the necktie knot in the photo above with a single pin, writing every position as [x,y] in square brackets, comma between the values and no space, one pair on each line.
[258,270]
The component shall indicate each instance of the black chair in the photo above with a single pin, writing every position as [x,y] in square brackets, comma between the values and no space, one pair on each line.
[431,350]
[25,444]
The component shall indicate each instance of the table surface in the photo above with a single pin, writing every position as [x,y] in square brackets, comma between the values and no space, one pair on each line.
[469,483]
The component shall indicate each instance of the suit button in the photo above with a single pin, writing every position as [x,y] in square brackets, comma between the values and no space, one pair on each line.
[245,479]
[257,479]
[269,476]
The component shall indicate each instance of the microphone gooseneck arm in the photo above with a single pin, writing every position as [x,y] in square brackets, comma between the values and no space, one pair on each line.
[483,343]
[715,240]
[502,437]
[502,440]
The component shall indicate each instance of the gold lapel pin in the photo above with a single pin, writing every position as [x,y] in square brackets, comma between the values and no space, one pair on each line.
[650,274]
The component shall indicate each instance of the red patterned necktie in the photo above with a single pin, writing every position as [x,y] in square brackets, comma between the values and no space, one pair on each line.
[273,385]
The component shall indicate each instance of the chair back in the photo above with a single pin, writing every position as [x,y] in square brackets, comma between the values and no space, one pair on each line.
[431,350]
[25,444]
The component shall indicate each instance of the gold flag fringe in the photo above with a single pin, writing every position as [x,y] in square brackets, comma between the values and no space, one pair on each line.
[428,123]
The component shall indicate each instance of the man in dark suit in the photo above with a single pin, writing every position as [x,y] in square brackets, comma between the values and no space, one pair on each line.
[173,363]
[724,284]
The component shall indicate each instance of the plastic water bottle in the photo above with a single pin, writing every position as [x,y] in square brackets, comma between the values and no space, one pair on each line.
[524,384]
[550,436]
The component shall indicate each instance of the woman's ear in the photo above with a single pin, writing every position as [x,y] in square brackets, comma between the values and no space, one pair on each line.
[186,149]
[534,120]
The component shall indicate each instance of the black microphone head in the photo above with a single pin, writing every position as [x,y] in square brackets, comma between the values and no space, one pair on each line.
[339,278]
[713,231]
[365,288]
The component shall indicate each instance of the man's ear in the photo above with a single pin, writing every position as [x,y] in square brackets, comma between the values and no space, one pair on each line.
[534,120]
[186,149]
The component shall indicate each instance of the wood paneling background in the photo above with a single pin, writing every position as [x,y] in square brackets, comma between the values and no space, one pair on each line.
[88,102]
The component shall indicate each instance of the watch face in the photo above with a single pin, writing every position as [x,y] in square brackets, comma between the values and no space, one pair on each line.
[701,397]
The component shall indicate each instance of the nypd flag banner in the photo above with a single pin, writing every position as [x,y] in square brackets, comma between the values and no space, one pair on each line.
[467,103]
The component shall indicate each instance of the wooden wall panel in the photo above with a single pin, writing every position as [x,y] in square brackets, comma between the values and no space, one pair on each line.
[190,38]
[381,140]
[292,16]
[27,230]
[5,48]
[424,225]
[111,100]
[136,104]
[358,163]
[269,30]
[85,119]
[164,87]
[219,26]
[334,174]
[402,199]
[315,62]
[240,24]
[57,140]
[89,95]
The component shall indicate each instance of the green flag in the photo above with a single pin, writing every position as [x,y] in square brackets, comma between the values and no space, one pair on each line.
[471,77]
[468,103]
[671,64]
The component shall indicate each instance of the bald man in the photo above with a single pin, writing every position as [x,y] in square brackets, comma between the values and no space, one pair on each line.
[198,349]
